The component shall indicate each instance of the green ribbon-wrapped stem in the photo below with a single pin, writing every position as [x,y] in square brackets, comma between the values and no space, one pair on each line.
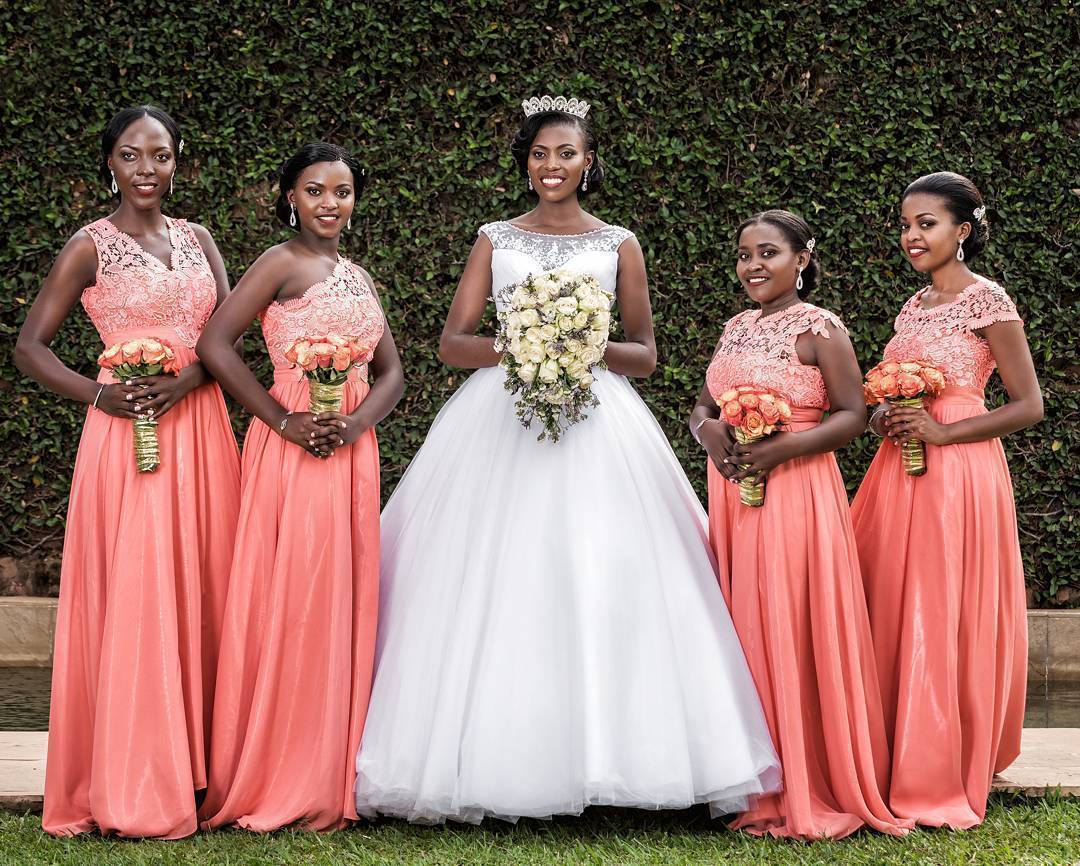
[147,453]
[913,451]
[751,490]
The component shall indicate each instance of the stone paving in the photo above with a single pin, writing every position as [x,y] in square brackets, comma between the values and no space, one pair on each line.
[1049,760]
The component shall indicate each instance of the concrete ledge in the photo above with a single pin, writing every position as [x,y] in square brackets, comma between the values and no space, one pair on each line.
[1053,646]
[26,631]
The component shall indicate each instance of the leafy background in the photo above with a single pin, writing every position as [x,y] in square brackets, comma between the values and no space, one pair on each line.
[707,112]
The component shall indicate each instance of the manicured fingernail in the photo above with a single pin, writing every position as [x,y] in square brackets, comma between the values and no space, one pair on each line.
[128,382]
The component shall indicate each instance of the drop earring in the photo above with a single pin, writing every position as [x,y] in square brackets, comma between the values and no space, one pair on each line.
[348,222]
[530,183]
[798,282]
[114,187]
[960,251]
[585,180]
[171,179]
[292,214]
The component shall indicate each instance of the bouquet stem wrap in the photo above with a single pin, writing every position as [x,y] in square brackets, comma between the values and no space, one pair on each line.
[913,451]
[147,452]
[324,396]
[751,490]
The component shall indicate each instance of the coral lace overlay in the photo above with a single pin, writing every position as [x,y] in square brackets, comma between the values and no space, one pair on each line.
[342,304]
[760,350]
[946,334]
[135,289]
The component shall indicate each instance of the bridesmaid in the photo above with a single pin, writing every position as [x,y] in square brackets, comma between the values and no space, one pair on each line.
[146,555]
[789,569]
[296,660]
[940,553]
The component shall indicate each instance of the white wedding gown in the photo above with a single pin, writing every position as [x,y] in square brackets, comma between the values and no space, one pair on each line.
[551,631]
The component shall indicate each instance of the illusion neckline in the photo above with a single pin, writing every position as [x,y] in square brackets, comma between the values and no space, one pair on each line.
[554,235]
[171,266]
[959,295]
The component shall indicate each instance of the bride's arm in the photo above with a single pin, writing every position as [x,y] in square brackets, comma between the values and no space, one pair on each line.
[459,345]
[636,355]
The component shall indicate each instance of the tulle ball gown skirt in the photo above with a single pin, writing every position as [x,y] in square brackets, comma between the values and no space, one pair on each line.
[299,640]
[552,635]
[945,586]
[142,589]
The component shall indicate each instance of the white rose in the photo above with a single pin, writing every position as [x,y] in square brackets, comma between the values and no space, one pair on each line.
[548,332]
[602,319]
[565,323]
[534,353]
[534,335]
[549,371]
[515,346]
[566,359]
[590,355]
[566,306]
[596,338]
[577,370]
[574,346]
[513,322]
[587,302]
[581,319]
[585,381]
[553,351]
[528,318]
[527,373]
[548,311]
[542,296]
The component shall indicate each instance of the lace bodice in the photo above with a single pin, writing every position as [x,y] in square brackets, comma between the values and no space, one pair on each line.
[342,304]
[757,350]
[946,334]
[135,289]
[518,253]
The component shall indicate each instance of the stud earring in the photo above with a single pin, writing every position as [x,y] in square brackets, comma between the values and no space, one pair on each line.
[292,214]
[798,282]
[115,188]
[960,251]
[530,183]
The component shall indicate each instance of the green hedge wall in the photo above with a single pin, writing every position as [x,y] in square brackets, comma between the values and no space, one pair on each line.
[707,112]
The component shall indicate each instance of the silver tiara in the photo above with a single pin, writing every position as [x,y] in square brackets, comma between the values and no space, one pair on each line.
[537,104]
[810,244]
[980,212]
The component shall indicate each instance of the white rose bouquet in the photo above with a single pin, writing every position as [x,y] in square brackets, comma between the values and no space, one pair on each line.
[553,334]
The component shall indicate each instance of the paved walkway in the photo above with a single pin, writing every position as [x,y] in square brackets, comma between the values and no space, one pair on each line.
[1050,759]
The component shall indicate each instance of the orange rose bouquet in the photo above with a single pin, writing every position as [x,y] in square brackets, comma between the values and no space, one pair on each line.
[753,413]
[905,383]
[326,361]
[148,356]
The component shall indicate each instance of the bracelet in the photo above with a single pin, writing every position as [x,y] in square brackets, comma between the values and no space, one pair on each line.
[284,422]
[880,410]
[97,396]
[696,431]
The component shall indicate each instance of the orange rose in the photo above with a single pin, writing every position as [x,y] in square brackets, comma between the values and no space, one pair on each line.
[909,367]
[754,424]
[359,351]
[908,385]
[750,401]
[887,386]
[742,389]
[784,409]
[889,367]
[342,358]
[728,396]
[337,340]
[133,352]
[732,412]
[934,379]
[154,352]
[769,411]
[111,357]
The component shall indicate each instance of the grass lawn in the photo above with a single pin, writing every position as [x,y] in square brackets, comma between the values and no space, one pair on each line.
[1017,830]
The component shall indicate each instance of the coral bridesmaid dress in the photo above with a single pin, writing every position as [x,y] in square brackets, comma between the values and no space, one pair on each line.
[940,556]
[790,573]
[146,559]
[296,659]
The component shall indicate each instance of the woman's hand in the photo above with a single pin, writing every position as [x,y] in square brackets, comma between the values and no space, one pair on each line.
[908,422]
[760,458]
[158,394]
[317,438]
[344,430]
[718,441]
[119,401]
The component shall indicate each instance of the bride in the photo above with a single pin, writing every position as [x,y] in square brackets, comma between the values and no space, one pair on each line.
[551,631]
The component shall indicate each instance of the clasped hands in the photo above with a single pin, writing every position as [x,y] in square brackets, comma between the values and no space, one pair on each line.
[736,461]
[320,435]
